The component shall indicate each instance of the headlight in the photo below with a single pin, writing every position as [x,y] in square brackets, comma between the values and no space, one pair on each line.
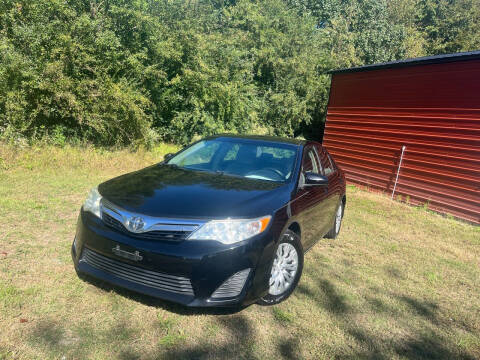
[230,231]
[92,203]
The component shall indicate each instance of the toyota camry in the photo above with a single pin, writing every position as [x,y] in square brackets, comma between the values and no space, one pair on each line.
[224,222]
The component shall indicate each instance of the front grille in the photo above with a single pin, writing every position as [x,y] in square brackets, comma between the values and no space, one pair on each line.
[153,279]
[164,235]
[112,222]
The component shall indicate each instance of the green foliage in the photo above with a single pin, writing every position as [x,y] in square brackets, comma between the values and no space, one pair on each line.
[450,25]
[283,316]
[117,72]
[368,31]
[358,31]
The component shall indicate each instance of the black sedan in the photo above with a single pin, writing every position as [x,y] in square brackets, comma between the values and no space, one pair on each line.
[226,221]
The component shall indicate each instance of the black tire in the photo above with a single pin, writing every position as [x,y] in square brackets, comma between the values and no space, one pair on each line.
[334,231]
[292,238]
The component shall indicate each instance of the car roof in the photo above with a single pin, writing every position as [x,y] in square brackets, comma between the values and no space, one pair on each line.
[274,139]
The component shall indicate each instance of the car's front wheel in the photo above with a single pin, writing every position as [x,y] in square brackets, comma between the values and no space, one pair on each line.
[286,269]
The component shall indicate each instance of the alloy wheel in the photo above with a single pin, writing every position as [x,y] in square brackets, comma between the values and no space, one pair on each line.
[338,219]
[284,269]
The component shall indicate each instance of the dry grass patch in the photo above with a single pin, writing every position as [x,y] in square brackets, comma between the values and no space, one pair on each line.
[399,282]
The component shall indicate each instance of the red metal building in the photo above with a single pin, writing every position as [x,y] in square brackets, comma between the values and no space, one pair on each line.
[429,105]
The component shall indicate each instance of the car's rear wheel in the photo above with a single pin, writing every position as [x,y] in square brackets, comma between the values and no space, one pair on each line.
[337,224]
[286,269]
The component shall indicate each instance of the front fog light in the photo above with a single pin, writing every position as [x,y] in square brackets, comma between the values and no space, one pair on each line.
[233,286]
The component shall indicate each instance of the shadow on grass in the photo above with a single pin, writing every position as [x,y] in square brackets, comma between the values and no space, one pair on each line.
[326,296]
[241,344]
[290,348]
[424,340]
[428,346]
[152,301]
[426,309]
[54,338]
[421,343]
[234,336]
[425,346]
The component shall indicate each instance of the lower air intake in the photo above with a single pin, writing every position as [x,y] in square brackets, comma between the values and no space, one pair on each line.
[157,280]
[233,286]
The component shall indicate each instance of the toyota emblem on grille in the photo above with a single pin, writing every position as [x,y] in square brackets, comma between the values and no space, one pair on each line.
[135,224]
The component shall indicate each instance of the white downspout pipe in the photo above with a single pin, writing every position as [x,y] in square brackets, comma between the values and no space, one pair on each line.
[398,170]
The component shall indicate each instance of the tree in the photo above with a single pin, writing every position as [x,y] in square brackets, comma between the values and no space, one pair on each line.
[120,72]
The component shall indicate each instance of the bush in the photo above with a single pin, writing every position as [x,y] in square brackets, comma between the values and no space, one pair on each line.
[117,72]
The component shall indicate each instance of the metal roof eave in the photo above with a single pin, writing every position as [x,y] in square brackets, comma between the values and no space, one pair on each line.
[437,59]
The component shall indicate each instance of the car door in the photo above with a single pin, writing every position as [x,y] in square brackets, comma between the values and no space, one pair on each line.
[307,204]
[334,189]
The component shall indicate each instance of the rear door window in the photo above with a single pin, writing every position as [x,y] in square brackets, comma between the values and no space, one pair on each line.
[326,162]
[310,161]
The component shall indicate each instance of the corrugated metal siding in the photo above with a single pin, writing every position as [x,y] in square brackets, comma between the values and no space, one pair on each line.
[434,110]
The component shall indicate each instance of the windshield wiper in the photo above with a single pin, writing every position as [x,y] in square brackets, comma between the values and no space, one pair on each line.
[218,172]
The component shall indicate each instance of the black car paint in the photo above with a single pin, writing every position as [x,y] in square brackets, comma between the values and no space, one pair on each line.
[167,191]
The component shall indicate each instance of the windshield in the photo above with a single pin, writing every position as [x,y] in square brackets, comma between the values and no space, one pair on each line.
[241,157]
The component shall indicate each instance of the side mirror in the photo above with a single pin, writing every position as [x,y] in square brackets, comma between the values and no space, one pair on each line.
[314,179]
[167,157]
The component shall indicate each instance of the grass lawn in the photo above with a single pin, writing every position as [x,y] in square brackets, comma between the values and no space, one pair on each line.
[400,282]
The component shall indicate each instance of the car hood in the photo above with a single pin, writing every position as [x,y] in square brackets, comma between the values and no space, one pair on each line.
[167,191]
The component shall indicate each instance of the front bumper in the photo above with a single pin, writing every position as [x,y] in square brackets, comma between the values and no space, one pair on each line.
[205,265]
